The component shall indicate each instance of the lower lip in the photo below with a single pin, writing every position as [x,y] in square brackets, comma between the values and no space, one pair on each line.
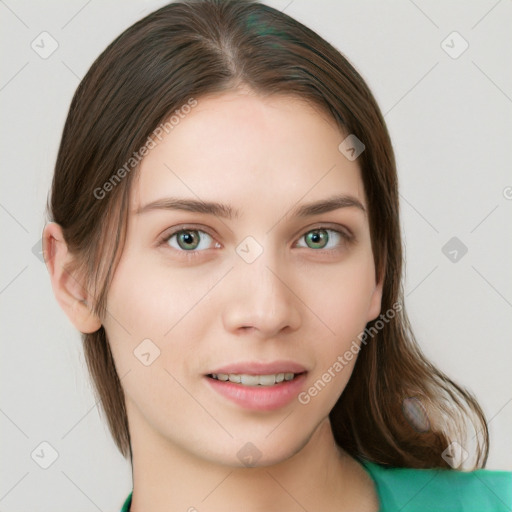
[259,398]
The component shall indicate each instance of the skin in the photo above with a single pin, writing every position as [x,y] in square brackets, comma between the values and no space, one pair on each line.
[262,156]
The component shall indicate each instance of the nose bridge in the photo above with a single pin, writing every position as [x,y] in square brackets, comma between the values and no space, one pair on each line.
[263,300]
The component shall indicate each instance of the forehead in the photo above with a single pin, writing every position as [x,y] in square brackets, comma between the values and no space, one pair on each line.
[243,147]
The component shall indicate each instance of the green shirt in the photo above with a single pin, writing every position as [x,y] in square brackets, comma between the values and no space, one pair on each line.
[435,490]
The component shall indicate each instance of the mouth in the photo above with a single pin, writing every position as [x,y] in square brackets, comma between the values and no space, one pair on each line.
[258,387]
[264,380]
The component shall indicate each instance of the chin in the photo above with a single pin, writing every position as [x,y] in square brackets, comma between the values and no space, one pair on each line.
[265,453]
[246,454]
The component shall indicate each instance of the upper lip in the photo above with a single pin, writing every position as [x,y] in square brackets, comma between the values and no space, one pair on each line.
[254,368]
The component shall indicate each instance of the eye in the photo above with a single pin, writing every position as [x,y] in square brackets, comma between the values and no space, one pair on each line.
[191,241]
[325,238]
[188,240]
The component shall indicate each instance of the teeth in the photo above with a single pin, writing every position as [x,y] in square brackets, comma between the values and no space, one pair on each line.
[254,380]
[264,380]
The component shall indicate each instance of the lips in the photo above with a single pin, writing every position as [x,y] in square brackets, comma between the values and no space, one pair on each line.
[263,395]
[258,386]
[255,368]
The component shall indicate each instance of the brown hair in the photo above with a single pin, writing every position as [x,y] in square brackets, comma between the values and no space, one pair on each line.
[193,48]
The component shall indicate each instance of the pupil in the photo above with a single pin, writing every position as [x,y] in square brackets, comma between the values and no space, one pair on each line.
[187,237]
[317,236]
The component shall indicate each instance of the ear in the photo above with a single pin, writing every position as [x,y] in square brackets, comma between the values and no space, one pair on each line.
[69,292]
[376,299]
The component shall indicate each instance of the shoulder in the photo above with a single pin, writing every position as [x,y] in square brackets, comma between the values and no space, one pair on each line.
[127,503]
[441,490]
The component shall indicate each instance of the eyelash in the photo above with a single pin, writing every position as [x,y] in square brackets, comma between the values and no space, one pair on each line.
[163,241]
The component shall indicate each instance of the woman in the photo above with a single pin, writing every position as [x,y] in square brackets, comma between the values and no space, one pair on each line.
[225,234]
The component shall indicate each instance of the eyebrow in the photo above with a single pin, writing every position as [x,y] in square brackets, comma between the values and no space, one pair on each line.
[225,211]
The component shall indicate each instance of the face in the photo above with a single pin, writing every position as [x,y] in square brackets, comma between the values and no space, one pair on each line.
[253,288]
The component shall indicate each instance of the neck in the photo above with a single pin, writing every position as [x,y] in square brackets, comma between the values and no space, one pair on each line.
[319,476]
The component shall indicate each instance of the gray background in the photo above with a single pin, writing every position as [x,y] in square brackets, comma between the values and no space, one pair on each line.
[450,122]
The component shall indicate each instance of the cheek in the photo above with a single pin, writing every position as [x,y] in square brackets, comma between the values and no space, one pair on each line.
[149,298]
[177,305]
[340,295]
[342,303]
[151,302]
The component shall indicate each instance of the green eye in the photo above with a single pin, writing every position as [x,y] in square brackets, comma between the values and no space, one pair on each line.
[320,238]
[317,239]
[197,240]
[189,239]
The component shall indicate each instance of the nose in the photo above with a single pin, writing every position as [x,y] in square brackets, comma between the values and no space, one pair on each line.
[262,299]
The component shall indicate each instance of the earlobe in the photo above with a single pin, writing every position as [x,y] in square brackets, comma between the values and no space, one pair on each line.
[68,290]
[376,301]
